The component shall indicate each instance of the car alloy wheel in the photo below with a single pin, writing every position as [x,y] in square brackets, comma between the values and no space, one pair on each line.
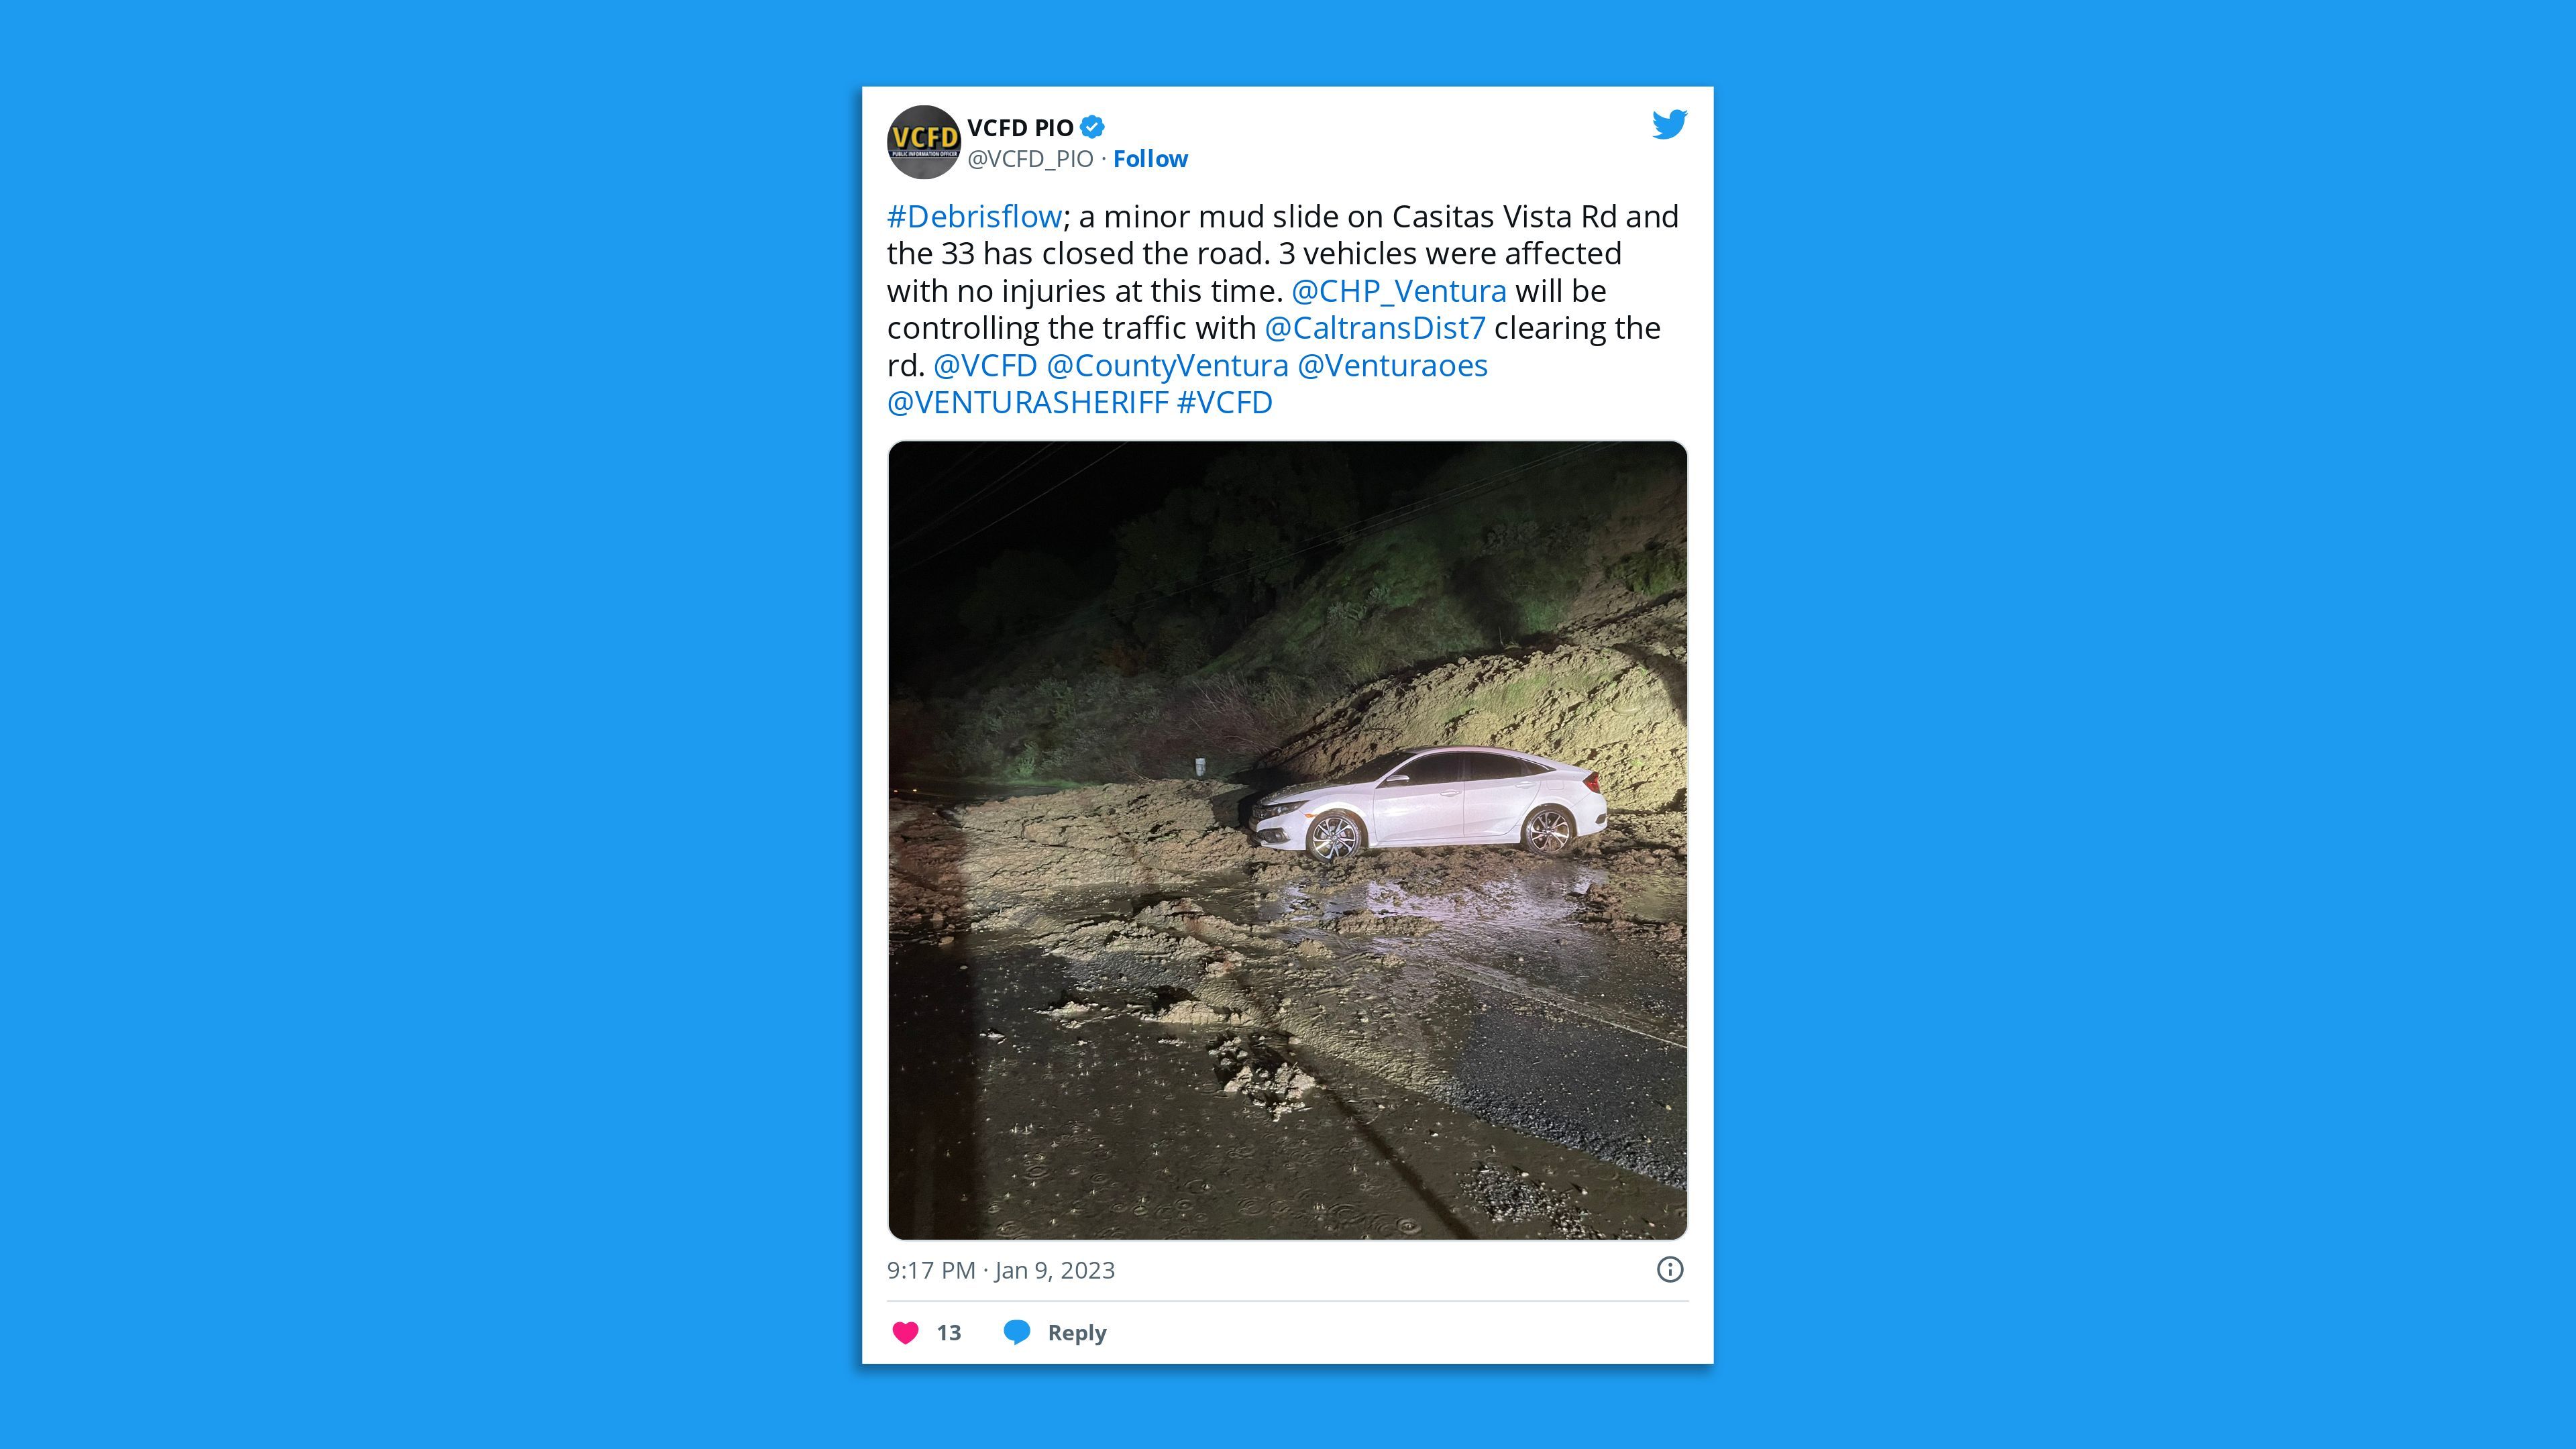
[1335,837]
[1548,830]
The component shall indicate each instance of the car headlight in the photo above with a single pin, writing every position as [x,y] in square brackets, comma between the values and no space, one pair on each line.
[1282,808]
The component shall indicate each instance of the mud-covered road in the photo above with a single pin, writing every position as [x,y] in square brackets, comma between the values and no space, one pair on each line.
[1114,1017]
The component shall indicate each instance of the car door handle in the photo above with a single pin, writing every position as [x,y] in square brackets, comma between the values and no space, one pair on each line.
[1447,793]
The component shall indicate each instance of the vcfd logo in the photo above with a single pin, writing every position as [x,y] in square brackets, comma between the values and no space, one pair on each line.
[923,138]
[922,142]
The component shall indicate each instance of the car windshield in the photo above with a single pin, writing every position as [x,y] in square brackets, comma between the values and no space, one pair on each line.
[1368,773]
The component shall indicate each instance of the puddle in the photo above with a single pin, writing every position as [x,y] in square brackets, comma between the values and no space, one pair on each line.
[1525,928]
[1657,902]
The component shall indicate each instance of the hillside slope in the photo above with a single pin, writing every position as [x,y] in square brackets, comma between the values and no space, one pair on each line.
[1610,695]
[1529,597]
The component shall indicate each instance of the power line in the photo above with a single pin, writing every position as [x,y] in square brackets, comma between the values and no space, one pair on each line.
[970,500]
[961,457]
[1032,498]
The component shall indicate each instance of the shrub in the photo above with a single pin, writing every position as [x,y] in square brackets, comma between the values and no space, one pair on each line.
[1653,572]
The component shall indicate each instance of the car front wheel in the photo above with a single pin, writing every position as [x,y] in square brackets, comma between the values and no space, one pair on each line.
[1335,835]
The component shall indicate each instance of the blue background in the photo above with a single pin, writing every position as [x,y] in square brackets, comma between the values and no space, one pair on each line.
[426,609]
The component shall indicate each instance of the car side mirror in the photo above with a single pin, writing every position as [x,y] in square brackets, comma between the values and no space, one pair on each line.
[1395,780]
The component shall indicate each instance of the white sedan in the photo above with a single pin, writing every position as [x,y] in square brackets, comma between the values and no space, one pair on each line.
[1435,795]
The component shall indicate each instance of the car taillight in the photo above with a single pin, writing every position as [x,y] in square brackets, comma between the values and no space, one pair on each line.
[1592,782]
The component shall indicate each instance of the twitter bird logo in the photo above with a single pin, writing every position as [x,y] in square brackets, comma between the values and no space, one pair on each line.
[1667,127]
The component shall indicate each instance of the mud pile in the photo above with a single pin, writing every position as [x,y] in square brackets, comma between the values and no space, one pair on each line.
[993,862]
[1608,694]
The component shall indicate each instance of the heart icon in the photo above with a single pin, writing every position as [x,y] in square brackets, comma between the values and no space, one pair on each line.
[903,1332]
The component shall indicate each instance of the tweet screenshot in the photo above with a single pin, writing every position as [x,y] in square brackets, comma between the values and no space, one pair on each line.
[1286,569]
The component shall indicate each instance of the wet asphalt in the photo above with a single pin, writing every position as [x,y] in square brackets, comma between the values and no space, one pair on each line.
[1482,1065]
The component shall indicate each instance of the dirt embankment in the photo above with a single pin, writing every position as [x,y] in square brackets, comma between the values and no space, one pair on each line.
[976,862]
[1610,694]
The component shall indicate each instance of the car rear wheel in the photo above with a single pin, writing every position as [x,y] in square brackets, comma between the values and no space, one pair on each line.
[1547,831]
[1336,835]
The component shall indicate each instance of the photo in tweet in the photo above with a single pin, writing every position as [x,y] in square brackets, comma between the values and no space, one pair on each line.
[1289,841]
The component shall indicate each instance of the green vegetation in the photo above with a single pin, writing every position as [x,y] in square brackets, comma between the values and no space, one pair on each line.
[1653,571]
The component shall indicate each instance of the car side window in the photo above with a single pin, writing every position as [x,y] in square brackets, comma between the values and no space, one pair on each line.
[1484,766]
[1408,773]
[1430,770]
[1529,767]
